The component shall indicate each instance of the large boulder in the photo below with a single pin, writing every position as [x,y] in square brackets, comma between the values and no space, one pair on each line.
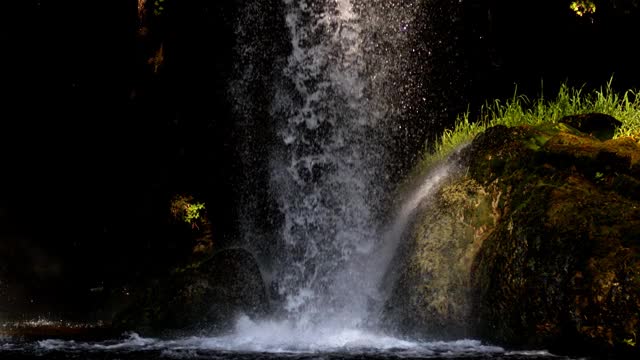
[430,295]
[208,296]
[537,244]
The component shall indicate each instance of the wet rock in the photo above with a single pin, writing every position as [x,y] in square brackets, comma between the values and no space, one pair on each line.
[444,243]
[542,238]
[208,296]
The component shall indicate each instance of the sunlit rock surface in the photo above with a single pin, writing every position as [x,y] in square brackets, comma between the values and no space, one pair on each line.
[537,244]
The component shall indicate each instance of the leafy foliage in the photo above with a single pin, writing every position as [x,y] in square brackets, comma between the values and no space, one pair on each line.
[631,341]
[158,7]
[582,7]
[185,209]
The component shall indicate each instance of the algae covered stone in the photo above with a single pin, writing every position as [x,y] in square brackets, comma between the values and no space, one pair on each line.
[543,238]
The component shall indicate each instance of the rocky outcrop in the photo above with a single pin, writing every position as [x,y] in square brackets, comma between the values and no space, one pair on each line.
[207,296]
[537,244]
[430,295]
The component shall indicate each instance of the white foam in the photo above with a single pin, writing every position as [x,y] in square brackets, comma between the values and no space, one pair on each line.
[56,344]
[533,353]
[288,336]
[323,177]
[280,337]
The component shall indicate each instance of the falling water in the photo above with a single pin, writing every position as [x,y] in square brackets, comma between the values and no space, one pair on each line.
[345,83]
[427,186]
[325,171]
[342,88]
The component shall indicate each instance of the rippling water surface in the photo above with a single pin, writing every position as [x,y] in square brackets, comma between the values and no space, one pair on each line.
[264,340]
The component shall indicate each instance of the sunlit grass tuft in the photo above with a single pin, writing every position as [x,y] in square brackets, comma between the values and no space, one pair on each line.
[519,110]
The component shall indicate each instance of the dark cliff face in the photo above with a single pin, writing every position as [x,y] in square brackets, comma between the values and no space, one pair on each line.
[96,141]
[543,234]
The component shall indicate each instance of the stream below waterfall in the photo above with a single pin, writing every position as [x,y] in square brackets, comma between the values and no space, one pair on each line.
[264,340]
[262,344]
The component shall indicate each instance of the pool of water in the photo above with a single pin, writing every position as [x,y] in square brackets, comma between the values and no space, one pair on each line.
[346,344]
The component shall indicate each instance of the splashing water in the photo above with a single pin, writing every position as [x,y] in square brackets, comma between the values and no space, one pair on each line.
[278,342]
[334,99]
[254,344]
[332,102]
[324,172]
[428,186]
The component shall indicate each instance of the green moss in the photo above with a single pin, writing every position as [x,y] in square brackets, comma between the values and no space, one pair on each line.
[568,242]
[543,228]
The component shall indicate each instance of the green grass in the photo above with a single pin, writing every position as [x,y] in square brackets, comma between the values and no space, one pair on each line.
[519,110]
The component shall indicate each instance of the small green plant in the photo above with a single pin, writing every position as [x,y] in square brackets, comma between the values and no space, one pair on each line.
[184,208]
[158,7]
[193,212]
[599,176]
[631,341]
[582,7]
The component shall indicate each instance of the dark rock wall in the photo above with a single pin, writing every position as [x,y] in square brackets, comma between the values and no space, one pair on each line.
[95,142]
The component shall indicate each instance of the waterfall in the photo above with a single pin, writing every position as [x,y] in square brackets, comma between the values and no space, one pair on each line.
[326,164]
[335,95]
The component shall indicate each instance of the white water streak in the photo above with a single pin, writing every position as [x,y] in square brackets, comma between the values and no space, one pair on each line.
[323,177]
[431,182]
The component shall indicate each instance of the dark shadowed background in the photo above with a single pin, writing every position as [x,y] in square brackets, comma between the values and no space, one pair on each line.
[94,142]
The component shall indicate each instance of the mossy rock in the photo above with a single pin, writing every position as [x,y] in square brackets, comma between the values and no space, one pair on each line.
[557,265]
[208,296]
[451,227]
[536,274]
[561,269]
